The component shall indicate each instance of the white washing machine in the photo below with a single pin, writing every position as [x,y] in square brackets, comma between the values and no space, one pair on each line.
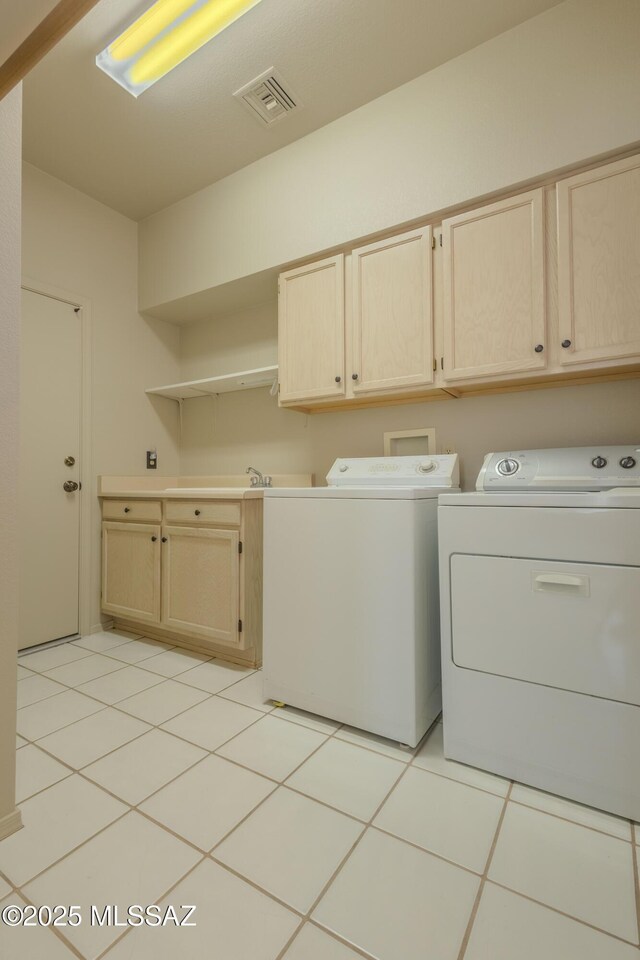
[540,601]
[351,605]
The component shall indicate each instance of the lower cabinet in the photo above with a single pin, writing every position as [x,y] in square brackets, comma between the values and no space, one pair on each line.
[131,570]
[201,582]
[198,583]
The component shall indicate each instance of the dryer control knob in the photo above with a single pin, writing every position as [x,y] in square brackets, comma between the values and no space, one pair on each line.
[627,463]
[426,466]
[343,468]
[508,467]
[598,463]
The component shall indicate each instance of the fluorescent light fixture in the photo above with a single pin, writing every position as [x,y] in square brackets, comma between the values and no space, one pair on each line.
[164,36]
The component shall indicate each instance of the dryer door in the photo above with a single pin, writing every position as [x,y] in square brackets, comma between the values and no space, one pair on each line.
[575,626]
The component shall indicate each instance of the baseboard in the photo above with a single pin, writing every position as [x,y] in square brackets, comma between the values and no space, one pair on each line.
[10,823]
[101,627]
[246,658]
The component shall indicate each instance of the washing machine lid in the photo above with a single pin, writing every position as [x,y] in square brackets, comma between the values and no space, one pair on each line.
[585,469]
[357,493]
[436,470]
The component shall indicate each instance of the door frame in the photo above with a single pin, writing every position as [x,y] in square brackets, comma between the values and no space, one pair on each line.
[85,551]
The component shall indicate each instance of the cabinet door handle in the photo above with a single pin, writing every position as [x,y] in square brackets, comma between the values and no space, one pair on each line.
[338,379]
[197,513]
[153,539]
[127,509]
[354,376]
[164,539]
[538,348]
[566,344]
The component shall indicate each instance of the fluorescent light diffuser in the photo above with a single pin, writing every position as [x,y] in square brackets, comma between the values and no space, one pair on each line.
[164,36]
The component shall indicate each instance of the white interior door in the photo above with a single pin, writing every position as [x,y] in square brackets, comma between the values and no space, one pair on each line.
[50,399]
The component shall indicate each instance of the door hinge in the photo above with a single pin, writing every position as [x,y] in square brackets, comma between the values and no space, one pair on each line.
[239,626]
[240,546]
[433,243]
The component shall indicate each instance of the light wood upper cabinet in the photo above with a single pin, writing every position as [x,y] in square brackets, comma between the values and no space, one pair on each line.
[200,582]
[494,289]
[131,570]
[311,331]
[599,263]
[392,319]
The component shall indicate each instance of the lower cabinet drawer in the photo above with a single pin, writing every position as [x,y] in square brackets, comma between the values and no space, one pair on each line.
[145,510]
[202,511]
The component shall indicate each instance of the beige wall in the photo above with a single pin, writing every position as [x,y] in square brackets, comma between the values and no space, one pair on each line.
[11,142]
[560,88]
[73,242]
[227,433]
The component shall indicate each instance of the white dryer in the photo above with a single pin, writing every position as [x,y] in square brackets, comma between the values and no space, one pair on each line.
[351,605]
[540,607]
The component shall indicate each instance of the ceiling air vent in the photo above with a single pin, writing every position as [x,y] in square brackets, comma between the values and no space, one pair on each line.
[267,97]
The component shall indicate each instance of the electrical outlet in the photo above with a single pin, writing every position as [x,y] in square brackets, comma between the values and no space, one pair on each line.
[152,460]
[449,450]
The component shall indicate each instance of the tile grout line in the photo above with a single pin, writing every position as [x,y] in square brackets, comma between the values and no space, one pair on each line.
[331,934]
[486,879]
[307,917]
[520,803]
[569,916]
[367,825]
[102,706]
[483,879]
[159,898]
[575,823]
[279,783]
[19,887]
[151,726]
[134,808]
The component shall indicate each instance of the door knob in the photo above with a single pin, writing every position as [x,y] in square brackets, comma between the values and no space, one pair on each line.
[69,461]
[70,486]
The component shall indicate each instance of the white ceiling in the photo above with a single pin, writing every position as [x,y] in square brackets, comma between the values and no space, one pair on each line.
[188,131]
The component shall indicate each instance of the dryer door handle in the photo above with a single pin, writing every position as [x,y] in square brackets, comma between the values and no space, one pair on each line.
[557,582]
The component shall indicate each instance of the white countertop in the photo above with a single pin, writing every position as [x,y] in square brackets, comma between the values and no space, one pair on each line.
[192,488]
[187,493]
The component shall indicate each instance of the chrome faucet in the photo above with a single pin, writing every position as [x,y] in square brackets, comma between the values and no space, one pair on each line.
[257,480]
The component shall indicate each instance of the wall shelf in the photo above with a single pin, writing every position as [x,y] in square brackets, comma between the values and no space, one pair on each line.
[245,380]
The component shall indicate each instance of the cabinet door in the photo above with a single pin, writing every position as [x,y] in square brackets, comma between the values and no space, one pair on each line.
[494,294]
[311,331]
[599,263]
[131,570]
[392,313]
[200,583]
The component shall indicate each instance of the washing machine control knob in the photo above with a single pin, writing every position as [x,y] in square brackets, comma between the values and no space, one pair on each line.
[426,466]
[343,468]
[508,467]
[599,463]
[627,463]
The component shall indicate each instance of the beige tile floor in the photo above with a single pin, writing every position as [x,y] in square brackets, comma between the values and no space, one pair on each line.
[149,775]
